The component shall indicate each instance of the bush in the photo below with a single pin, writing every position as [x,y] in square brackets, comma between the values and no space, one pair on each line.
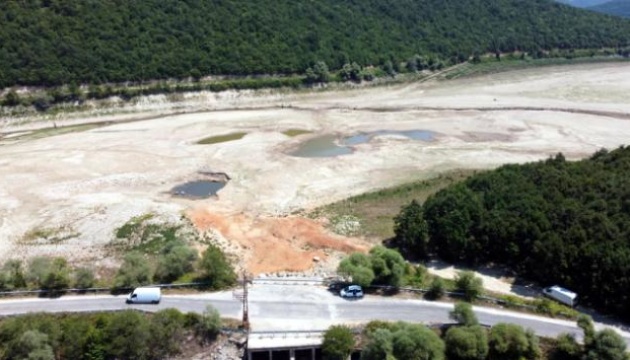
[167,333]
[466,343]
[509,342]
[49,274]
[417,342]
[469,285]
[437,289]
[83,278]
[209,324]
[216,269]
[388,266]
[338,343]
[464,314]
[379,345]
[359,267]
[566,348]
[126,335]
[607,345]
[133,272]
[175,261]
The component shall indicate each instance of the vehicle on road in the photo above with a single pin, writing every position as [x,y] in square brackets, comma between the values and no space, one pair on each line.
[562,295]
[145,295]
[351,292]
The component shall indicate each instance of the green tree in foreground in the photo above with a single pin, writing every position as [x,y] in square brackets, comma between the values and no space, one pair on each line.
[607,345]
[469,285]
[34,346]
[511,342]
[167,333]
[466,343]
[417,342]
[566,348]
[126,335]
[379,345]
[464,314]
[338,343]
[216,269]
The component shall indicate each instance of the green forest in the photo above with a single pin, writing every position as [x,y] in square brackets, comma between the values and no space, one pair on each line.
[554,221]
[53,42]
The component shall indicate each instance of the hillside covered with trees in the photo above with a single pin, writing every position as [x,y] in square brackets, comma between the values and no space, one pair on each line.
[554,221]
[615,7]
[52,42]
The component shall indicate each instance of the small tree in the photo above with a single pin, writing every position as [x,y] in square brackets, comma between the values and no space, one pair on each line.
[388,266]
[35,345]
[167,333]
[417,342]
[466,343]
[175,261]
[11,99]
[585,323]
[437,289]
[209,324]
[83,278]
[379,345]
[464,314]
[469,285]
[134,271]
[216,269]
[359,267]
[508,342]
[126,335]
[338,343]
[14,274]
[322,74]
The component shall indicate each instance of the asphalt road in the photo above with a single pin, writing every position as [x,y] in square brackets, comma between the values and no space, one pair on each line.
[277,308]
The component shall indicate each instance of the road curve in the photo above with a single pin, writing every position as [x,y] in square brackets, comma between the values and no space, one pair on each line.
[277,308]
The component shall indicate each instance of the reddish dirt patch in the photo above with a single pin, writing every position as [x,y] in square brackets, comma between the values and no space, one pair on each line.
[275,244]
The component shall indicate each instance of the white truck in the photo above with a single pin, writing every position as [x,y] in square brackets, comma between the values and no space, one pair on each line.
[145,295]
[562,295]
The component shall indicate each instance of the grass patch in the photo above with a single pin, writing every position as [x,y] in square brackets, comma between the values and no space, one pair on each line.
[48,235]
[149,238]
[221,138]
[296,132]
[375,211]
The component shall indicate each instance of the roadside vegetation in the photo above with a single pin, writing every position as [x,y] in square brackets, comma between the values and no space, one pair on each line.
[109,335]
[386,271]
[151,252]
[466,339]
[553,221]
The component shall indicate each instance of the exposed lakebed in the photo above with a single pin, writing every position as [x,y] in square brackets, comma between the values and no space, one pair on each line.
[332,145]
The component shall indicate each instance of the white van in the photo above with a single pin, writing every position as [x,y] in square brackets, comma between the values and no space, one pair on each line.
[145,295]
[562,295]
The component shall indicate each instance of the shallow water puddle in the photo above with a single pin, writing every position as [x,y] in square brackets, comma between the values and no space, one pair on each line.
[200,189]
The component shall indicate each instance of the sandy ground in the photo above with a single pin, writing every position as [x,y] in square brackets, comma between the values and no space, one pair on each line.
[87,184]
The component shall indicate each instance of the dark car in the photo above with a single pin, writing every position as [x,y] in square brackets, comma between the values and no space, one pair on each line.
[351,292]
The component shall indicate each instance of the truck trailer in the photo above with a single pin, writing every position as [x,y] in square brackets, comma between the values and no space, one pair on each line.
[145,295]
[562,295]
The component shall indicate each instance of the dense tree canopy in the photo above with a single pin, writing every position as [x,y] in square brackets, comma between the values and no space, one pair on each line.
[554,221]
[49,42]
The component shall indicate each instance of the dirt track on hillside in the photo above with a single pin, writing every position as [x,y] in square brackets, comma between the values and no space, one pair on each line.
[92,182]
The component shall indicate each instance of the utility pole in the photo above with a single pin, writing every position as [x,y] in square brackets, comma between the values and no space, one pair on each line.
[243,296]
